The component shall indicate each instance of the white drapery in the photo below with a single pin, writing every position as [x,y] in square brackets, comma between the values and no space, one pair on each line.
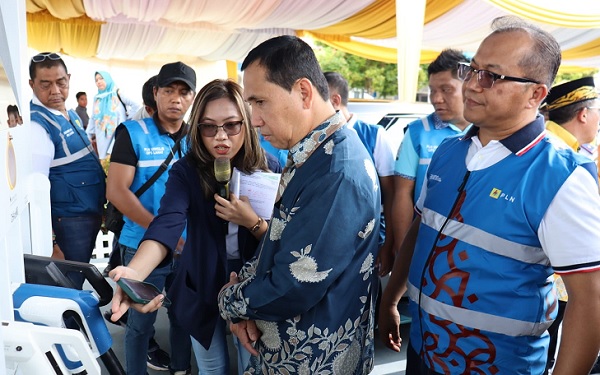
[211,30]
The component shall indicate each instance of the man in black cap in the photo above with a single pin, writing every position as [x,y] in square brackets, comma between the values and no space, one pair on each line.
[141,146]
[573,113]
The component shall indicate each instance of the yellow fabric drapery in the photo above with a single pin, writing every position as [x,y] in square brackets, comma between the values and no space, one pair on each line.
[389,55]
[77,37]
[368,51]
[582,19]
[61,25]
[63,9]
[232,70]
[437,8]
[378,20]
[583,51]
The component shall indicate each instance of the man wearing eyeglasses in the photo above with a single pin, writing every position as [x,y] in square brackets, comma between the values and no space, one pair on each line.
[141,146]
[63,153]
[502,208]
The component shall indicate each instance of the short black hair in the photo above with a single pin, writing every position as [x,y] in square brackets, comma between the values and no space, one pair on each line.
[47,63]
[80,94]
[567,113]
[148,92]
[447,61]
[287,59]
[12,109]
[336,81]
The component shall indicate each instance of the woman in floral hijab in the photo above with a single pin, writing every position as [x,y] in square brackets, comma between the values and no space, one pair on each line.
[110,108]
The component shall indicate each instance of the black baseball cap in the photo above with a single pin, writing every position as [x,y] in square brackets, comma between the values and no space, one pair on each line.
[174,72]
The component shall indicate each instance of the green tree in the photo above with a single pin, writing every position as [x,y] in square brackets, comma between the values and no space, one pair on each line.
[380,79]
[565,77]
[373,77]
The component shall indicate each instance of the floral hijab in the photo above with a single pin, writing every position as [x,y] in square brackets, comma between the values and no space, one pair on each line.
[105,114]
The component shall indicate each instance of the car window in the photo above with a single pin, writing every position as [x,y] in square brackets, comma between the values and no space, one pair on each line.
[395,125]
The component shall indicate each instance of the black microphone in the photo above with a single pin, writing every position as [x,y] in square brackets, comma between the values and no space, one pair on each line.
[223,174]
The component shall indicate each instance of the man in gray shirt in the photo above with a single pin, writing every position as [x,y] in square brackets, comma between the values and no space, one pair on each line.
[82,108]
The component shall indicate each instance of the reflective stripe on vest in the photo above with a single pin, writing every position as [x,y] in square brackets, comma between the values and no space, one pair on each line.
[153,163]
[71,157]
[484,240]
[425,121]
[143,126]
[476,319]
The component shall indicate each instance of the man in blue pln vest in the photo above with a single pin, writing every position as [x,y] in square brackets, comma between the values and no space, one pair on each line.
[502,209]
[141,146]
[63,153]
[424,135]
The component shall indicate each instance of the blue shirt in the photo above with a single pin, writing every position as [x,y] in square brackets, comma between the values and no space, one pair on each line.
[280,155]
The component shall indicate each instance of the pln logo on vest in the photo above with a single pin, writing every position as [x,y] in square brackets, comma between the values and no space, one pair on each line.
[498,194]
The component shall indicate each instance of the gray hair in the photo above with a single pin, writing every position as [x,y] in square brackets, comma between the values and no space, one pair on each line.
[542,63]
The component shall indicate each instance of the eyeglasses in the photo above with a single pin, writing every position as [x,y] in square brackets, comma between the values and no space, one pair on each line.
[230,128]
[45,55]
[485,78]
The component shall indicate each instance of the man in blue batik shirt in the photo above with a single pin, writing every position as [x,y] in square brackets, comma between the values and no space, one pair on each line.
[311,289]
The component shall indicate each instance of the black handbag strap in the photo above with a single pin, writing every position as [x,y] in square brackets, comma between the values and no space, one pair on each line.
[163,167]
[124,106]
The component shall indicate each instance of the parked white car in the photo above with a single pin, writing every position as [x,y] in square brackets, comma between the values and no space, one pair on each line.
[392,115]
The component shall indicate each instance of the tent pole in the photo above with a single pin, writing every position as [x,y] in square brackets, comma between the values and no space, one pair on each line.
[410,17]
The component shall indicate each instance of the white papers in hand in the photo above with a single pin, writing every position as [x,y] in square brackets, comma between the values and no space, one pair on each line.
[259,187]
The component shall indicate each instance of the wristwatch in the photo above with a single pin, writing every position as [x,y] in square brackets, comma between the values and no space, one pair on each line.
[256,226]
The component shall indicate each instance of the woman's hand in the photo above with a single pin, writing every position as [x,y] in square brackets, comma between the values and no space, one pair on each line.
[121,301]
[237,211]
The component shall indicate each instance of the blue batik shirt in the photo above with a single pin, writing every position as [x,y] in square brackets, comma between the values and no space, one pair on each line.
[311,289]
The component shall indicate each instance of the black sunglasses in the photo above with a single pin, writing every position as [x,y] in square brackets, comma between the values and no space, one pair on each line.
[230,128]
[45,55]
[485,78]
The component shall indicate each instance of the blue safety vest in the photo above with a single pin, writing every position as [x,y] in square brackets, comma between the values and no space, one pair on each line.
[425,139]
[77,181]
[482,294]
[152,148]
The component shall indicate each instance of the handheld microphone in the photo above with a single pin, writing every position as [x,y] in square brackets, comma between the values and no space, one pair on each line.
[223,174]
